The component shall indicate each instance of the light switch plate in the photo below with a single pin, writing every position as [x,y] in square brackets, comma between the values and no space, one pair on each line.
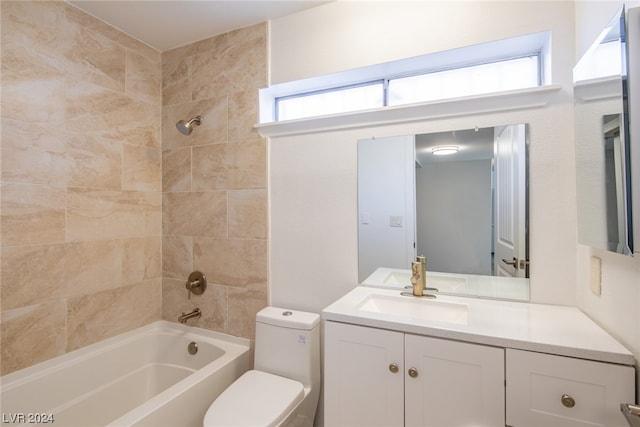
[595,278]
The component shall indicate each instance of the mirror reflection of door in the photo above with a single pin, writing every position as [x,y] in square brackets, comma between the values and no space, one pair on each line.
[510,188]
[614,182]
[453,206]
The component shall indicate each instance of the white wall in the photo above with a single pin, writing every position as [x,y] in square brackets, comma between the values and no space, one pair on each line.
[313,190]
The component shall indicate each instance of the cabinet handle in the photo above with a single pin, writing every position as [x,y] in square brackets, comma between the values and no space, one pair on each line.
[568,401]
[393,368]
[413,372]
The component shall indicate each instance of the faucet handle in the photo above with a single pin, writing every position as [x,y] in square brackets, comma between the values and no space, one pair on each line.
[196,283]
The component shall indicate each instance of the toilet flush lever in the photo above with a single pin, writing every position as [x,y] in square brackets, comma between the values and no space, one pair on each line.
[196,283]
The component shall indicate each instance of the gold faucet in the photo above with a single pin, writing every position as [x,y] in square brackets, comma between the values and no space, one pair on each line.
[417,278]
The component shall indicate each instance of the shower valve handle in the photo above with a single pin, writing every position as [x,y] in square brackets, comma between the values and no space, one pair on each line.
[197,284]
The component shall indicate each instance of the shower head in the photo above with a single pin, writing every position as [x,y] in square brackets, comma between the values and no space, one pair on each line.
[186,128]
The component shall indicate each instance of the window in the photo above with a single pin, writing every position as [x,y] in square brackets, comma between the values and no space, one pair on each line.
[499,76]
[333,101]
[503,65]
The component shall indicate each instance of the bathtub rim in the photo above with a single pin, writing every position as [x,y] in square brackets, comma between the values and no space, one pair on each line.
[235,348]
[15,378]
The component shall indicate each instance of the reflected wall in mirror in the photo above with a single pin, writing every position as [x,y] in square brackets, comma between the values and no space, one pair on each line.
[603,143]
[467,212]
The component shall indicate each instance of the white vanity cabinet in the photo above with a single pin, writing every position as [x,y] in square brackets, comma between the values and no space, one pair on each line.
[396,360]
[549,390]
[376,377]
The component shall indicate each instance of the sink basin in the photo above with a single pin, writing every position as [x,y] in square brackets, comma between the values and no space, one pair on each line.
[416,308]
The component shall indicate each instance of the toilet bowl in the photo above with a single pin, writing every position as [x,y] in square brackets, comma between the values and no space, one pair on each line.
[283,388]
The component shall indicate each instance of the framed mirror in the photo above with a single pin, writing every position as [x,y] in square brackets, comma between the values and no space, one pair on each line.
[465,211]
[603,142]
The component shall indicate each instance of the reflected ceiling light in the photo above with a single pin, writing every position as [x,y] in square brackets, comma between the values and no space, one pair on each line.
[444,150]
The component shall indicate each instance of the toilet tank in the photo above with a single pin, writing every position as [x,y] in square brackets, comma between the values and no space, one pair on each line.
[288,344]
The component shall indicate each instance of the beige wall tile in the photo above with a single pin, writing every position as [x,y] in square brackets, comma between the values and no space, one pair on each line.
[230,166]
[141,259]
[32,214]
[240,65]
[37,32]
[31,92]
[195,213]
[233,262]
[74,15]
[177,257]
[93,110]
[43,273]
[176,78]
[243,306]
[94,162]
[142,168]
[32,334]
[105,214]
[176,169]
[257,31]
[143,78]
[91,318]
[96,59]
[243,115]
[248,214]
[33,153]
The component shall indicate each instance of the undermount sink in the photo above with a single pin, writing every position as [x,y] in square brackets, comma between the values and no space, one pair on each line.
[416,308]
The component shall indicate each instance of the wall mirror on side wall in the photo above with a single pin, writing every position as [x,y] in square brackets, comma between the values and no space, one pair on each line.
[466,212]
[603,142]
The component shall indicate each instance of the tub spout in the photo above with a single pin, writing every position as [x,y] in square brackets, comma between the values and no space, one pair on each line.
[186,316]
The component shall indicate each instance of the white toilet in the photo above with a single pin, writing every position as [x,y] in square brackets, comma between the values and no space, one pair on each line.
[283,388]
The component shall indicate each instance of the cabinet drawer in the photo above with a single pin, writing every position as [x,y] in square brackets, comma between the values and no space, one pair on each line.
[561,391]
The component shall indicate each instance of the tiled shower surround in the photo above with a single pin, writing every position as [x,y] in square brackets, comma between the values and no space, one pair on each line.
[105,207]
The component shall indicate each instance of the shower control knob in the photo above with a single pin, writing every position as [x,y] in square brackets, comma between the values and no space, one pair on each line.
[197,283]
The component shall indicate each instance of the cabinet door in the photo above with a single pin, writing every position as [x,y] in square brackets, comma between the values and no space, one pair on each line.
[457,384]
[558,391]
[362,386]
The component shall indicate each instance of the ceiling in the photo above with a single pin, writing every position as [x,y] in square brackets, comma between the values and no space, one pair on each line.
[167,24]
[474,144]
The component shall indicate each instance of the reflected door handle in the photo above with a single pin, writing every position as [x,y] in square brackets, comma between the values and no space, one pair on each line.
[513,262]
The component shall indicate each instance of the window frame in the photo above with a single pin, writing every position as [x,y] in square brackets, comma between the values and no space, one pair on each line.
[529,45]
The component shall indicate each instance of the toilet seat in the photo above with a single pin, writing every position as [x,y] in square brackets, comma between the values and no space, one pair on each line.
[255,399]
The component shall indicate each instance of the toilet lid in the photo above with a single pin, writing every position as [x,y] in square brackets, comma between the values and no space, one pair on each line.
[255,399]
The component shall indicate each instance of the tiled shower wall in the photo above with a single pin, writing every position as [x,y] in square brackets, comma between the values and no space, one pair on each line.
[82,215]
[81,182]
[215,180]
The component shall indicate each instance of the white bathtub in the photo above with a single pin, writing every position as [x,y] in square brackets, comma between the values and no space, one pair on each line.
[145,377]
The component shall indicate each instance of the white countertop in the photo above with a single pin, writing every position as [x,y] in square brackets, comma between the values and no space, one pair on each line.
[559,330]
